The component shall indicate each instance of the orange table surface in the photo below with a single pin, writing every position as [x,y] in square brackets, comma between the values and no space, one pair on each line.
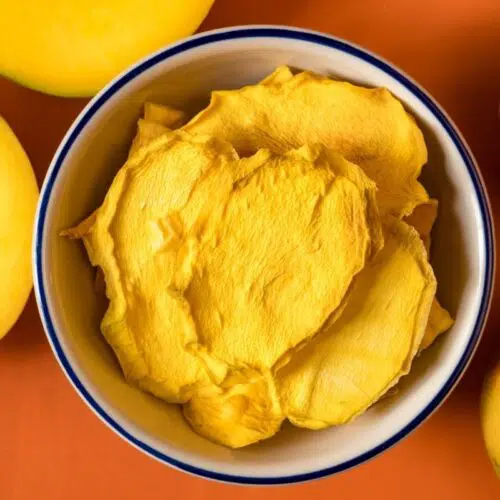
[53,447]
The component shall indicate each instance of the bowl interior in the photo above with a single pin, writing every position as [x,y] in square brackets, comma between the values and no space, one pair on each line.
[185,80]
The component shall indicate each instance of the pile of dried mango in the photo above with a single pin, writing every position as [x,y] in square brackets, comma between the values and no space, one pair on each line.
[268,259]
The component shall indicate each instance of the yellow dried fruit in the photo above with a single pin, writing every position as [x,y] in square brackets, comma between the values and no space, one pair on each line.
[280,75]
[369,127]
[132,253]
[353,362]
[286,219]
[164,115]
[243,409]
[439,322]
[422,219]
[258,289]
[201,249]
[146,133]
[158,119]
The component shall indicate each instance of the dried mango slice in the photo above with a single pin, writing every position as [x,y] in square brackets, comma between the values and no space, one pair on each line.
[264,303]
[367,126]
[439,322]
[201,249]
[164,115]
[128,237]
[292,236]
[422,219]
[158,119]
[281,74]
[352,363]
[147,132]
[242,410]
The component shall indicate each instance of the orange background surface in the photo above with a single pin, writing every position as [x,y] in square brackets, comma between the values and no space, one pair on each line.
[51,444]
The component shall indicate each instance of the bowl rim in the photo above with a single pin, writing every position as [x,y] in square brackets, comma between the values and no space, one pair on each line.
[252,32]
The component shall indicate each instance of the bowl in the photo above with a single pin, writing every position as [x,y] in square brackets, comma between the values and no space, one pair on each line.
[94,148]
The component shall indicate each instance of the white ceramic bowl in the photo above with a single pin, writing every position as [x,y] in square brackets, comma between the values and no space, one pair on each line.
[95,147]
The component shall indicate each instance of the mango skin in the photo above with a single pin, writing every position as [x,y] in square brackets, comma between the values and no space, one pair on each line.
[73,48]
[490,417]
[18,200]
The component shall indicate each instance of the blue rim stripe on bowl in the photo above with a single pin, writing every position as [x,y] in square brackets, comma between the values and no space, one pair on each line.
[260,32]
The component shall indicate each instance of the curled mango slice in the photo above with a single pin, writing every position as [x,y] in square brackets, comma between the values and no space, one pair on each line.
[158,119]
[215,268]
[369,127]
[249,275]
[422,219]
[243,409]
[164,115]
[439,322]
[353,362]
[148,323]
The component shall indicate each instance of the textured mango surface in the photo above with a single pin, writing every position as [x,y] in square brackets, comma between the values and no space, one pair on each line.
[255,272]
[369,127]
[422,219]
[228,251]
[353,362]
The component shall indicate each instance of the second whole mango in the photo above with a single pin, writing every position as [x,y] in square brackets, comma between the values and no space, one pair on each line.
[18,199]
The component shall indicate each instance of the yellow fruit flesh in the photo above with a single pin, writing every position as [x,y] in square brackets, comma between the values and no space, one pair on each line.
[352,363]
[369,127]
[201,250]
[238,392]
[18,198]
[439,322]
[490,417]
[158,117]
[243,409]
[422,219]
[74,48]
[164,115]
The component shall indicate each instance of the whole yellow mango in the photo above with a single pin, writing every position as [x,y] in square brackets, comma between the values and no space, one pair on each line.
[73,48]
[490,417]
[18,199]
